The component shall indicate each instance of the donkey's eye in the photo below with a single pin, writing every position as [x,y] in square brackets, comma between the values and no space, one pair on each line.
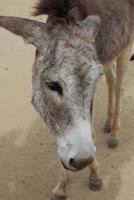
[54,86]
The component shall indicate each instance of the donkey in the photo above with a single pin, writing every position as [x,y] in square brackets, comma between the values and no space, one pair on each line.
[80,40]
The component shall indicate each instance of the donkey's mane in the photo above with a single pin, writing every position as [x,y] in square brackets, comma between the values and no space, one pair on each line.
[59,8]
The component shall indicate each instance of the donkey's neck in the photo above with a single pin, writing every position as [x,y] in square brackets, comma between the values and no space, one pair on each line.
[117,28]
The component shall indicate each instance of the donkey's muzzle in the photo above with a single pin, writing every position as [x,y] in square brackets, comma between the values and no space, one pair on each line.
[76,147]
[80,164]
[76,164]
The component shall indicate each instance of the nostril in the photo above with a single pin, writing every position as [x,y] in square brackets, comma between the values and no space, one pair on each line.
[72,162]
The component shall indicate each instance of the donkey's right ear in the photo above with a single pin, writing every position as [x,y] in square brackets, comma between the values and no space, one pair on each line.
[33,32]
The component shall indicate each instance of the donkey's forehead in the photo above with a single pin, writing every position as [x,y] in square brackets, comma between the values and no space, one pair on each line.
[70,59]
[73,50]
[69,53]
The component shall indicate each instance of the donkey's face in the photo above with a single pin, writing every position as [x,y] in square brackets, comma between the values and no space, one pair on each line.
[64,81]
[65,75]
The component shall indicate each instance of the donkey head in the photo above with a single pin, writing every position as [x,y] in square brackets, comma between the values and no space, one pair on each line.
[65,75]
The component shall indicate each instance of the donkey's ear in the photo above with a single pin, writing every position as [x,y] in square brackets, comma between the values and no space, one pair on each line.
[92,25]
[33,32]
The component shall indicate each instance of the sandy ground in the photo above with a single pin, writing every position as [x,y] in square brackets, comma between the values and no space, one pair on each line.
[28,158]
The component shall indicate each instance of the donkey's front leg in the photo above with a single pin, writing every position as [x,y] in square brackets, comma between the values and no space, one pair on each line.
[95,180]
[59,192]
[122,64]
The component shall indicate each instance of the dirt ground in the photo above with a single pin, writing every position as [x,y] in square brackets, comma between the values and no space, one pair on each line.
[29,163]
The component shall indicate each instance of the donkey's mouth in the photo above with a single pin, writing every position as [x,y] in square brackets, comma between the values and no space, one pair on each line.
[69,169]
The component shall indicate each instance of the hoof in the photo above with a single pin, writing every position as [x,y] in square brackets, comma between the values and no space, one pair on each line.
[95,185]
[58,198]
[107,128]
[112,143]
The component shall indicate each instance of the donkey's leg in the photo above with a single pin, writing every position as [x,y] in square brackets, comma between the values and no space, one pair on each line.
[95,180]
[110,72]
[122,64]
[59,192]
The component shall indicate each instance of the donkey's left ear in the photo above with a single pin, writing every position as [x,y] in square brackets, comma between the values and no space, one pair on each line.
[33,32]
[92,25]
